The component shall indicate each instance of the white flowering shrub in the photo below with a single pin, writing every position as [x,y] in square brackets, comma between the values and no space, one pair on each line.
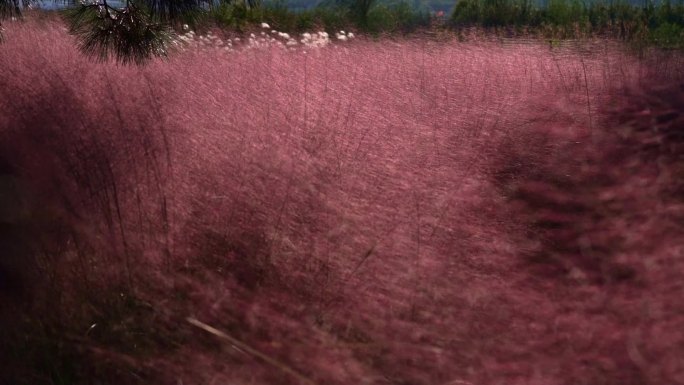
[190,39]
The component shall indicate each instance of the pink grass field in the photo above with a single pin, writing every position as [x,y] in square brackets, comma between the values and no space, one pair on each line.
[375,212]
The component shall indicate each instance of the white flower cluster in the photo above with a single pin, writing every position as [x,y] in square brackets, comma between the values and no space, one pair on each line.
[342,36]
[263,40]
[284,40]
[191,39]
[315,40]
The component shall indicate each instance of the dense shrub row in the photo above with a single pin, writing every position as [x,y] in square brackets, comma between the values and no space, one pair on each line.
[661,23]
[369,16]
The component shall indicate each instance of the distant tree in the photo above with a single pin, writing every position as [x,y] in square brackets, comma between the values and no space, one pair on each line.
[358,9]
[129,31]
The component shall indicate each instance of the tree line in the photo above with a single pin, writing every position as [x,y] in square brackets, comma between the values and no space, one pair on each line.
[135,31]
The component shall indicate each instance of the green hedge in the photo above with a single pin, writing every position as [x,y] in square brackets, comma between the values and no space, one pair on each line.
[362,15]
[659,23]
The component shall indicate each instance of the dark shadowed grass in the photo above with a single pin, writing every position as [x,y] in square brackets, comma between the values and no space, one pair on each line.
[385,213]
[604,213]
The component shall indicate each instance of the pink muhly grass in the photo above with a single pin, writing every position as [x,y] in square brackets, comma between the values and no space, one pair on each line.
[371,213]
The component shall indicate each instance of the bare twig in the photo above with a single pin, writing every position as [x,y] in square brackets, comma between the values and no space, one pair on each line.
[242,346]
